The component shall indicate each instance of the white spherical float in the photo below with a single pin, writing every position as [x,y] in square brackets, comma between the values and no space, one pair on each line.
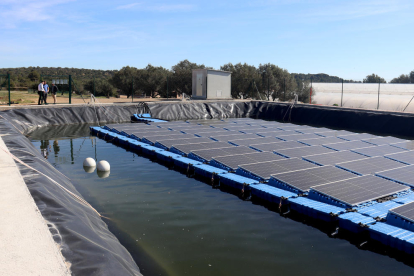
[89,162]
[103,166]
[89,165]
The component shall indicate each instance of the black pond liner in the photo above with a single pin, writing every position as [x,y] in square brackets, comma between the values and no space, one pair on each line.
[83,237]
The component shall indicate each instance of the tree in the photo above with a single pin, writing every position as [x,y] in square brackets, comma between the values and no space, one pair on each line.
[401,79]
[182,76]
[123,80]
[373,78]
[243,79]
[34,75]
[102,88]
[153,79]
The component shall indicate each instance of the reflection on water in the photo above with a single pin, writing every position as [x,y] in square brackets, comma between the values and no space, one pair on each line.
[188,228]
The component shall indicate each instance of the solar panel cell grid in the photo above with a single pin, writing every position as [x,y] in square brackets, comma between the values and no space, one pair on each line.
[370,165]
[378,150]
[409,145]
[404,175]
[297,136]
[278,146]
[254,141]
[234,161]
[383,140]
[187,148]
[334,157]
[358,136]
[348,145]
[405,211]
[304,151]
[170,142]
[406,157]
[359,190]
[265,169]
[321,141]
[305,179]
[208,154]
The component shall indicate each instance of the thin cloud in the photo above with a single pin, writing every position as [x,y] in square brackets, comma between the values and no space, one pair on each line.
[156,8]
[128,6]
[13,13]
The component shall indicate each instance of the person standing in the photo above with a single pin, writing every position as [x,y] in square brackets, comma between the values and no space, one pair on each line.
[54,91]
[41,91]
[46,88]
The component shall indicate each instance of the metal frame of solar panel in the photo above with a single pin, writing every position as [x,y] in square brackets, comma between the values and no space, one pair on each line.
[378,150]
[187,148]
[277,146]
[406,157]
[355,191]
[264,170]
[207,155]
[409,145]
[403,175]
[155,138]
[334,133]
[348,145]
[379,141]
[303,151]
[405,211]
[302,181]
[320,141]
[226,138]
[232,162]
[333,157]
[370,165]
[297,136]
[168,143]
[358,136]
[254,141]
[273,133]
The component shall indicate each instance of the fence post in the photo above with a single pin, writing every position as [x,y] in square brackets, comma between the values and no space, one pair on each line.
[70,89]
[284,88]
[94,86]
[310,92]
[268,88]
[8,84]
[167,87]
[132,90]
[379,85]
[342,94]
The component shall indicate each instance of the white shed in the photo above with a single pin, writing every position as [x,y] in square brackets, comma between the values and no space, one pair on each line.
[211,84]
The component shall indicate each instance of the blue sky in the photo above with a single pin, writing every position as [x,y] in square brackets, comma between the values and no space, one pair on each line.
[349,39]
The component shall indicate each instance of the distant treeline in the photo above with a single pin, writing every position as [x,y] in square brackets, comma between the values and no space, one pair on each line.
[267,81]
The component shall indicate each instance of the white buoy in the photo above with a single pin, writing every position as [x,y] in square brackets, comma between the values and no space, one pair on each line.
[89,162]
[103,166]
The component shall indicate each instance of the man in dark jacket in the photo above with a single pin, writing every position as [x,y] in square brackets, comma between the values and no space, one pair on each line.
[54,91]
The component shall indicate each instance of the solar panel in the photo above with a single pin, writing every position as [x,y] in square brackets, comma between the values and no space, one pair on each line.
[264,170]
[334,133]
[151,133]
[297,136]
[254,141]
[403,175]
[274,133]
[277,146]
[409,145]
[406,157]
[370,165]
[357,136]
[359,190]
[304,151]
[208,154]
[226,138]
[168,143]
[321,141]
[187,148]
[348,145]
[405,211]
[378,150]
[313,130]
[383,140]
[305,179]
[334,157]
[233,161]
[177,137]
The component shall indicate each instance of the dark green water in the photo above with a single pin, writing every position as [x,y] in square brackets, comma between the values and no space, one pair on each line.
[180,226]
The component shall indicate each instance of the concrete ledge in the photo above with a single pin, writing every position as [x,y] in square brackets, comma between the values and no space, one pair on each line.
[27,246]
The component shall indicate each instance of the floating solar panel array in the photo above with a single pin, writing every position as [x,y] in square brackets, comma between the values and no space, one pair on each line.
[319,171]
